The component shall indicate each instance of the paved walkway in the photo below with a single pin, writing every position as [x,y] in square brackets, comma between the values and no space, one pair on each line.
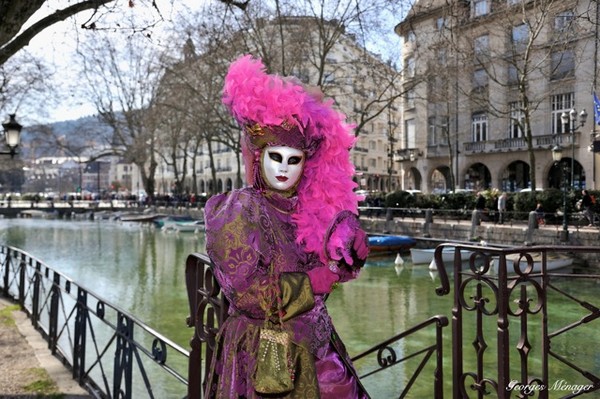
[22,351]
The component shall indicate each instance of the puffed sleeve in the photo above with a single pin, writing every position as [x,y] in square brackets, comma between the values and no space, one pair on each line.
[239,252]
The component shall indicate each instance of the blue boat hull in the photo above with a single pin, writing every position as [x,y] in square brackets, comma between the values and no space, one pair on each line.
[384,244]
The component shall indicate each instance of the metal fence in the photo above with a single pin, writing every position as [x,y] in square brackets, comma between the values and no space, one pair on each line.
[508,340]
[108,351]
[509,337]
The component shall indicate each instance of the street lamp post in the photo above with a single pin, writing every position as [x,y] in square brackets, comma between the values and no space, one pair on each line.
[557,157]
[569,122]
[12,135]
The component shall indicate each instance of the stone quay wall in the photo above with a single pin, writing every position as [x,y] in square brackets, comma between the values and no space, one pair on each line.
[429,234]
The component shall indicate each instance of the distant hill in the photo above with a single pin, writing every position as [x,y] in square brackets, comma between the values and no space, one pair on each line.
[77,135]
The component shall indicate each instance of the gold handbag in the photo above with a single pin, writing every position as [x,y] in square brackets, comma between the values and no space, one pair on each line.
[274,372]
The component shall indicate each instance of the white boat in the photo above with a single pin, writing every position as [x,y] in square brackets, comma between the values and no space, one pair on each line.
[425,255]
[554,262]
[191,226]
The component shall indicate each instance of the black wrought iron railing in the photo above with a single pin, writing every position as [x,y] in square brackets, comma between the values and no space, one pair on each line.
[108,351]
[509,339]
[519,326]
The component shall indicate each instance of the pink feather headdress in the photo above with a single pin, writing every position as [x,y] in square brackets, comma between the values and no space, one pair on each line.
[280,111]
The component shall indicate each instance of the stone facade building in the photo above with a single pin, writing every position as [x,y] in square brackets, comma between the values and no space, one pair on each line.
[487,84]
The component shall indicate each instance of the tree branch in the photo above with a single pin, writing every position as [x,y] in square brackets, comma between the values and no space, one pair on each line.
[25,37]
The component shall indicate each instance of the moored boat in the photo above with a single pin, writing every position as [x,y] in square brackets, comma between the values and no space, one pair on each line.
[384,244]
[188,226]
[425,255]
[554,262]
[160,222]
[140,217]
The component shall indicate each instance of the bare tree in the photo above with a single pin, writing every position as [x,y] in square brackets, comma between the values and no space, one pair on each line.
[300,40]
[23,83]
[122,78]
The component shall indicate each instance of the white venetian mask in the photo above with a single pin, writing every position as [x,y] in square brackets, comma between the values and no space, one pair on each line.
[282,167]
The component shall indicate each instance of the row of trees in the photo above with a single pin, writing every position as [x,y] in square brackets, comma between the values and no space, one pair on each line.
[161,98]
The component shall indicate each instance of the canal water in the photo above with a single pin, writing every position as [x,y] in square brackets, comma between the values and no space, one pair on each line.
[141,268]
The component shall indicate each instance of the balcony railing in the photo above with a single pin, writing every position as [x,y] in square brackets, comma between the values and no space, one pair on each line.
[520,143]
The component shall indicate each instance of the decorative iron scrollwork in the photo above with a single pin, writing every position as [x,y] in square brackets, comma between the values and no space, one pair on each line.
[386,361]
[100,310]
[159,351]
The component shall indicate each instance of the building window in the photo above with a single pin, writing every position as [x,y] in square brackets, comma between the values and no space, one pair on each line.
[438,130]
[561,103]
[480,78]
[410,67]
[513,75]
[442,57]
[480,127]
[440,23]
[517,118]
[563,21]
[410,99]
[481,45]
[520,36]
[329,78]
[480,7]
[431,137]
[563,64]
[410,140]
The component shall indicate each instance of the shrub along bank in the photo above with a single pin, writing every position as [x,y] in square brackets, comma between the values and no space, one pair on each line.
[518,204]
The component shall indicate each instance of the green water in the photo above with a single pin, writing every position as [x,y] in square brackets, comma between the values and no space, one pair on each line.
[142,269]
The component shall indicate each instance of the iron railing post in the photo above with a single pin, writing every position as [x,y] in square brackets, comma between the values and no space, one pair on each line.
[6,273]
[79,344]
[439,365]
[123,358]
[22,274]
[53,317]
[35,301]
[503,330]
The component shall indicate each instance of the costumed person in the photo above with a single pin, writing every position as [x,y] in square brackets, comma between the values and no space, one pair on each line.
[281,244]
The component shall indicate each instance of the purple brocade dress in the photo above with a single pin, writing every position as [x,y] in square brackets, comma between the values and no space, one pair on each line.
[248,232]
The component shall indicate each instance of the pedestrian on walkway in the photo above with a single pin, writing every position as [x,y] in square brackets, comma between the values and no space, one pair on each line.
[586,206]
[502,207]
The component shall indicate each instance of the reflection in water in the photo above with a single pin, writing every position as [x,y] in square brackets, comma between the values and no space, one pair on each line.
[142,269]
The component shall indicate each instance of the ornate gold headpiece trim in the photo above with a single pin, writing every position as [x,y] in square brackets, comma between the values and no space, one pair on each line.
[258,130]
